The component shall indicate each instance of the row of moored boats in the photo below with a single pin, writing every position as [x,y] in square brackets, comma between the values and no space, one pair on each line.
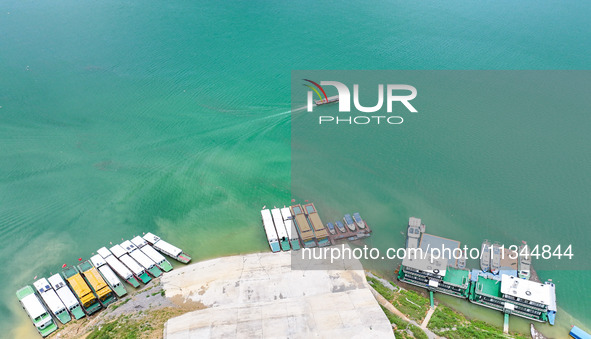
[88,287]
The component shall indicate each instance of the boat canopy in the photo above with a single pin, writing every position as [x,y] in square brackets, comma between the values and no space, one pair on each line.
[118,251]
[63,291]
[153,254]
[168,248]
[357,217]
[97,260]
[286,213]
[279,225]
[139,242]
[33,306]
[348,219]
[128,246]
[132,264]
[269,226]
[526,289]
[109,275]
[103,252]
[151,238]
[121,269]
[49,296]
[142,259]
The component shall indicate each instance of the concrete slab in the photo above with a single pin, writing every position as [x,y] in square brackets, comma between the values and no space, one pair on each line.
[259,296]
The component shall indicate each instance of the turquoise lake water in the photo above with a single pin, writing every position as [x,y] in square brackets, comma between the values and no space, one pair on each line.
[121,117]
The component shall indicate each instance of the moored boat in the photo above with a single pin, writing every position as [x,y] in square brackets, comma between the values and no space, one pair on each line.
[87,298]
[36,311]
[66,296]
[148,264]
[331,228]
[96,282]
[524,261]
[128,261]
[495,260]
[485,256]
[280,228]
[51,299]
[349,222]
[166,248]
[122,271]
[340,226]
[319,230]
[270,231]
[109,276]
[294,241]
[358,221]
[148,250]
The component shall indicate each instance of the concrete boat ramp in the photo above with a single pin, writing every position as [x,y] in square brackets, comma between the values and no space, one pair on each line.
[260,296]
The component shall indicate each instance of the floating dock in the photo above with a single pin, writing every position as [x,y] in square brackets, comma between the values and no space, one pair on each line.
[349,234]
[66,296]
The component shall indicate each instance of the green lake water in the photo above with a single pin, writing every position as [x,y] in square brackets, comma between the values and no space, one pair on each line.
[122,117]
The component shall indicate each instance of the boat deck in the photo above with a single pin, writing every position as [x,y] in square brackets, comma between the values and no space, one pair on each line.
[350,235]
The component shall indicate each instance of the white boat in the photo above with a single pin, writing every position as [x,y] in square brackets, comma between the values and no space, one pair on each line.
[485,256]
[121,270]
[495,260]
[358,221]
[290,228]
[148,250]
[133,266]
[139,256]
[66,296]
[270,231]
[280,228]
[166,248]
[110,277]
[51,299]
[349,222]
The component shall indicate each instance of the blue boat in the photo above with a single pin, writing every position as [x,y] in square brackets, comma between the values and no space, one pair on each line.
[331,228]
[578,333]
[340,226]
[349,222]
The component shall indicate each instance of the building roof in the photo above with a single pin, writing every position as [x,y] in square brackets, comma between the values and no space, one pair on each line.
[424,263]
[526,289]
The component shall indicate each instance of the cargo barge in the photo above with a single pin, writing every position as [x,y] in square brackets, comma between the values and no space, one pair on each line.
[319,229]
[36,311]
[303,227]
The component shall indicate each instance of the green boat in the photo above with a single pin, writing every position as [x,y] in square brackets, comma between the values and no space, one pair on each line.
[87,298]
[97,283]
[37,312]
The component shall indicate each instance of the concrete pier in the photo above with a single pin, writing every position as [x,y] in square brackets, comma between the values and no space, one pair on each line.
[259,295]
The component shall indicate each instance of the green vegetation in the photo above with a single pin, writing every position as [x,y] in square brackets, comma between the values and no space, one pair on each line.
[446,322]
[411,303]
[404,329]
[133,326]
[116,306]
[381,289]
